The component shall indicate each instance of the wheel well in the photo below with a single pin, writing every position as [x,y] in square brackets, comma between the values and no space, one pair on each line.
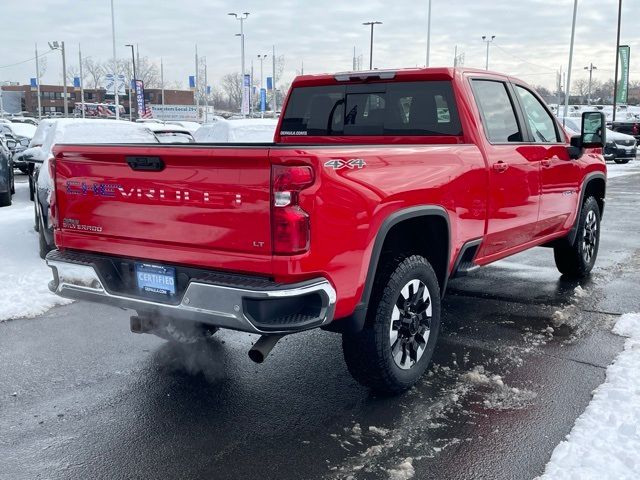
[596,188]
[427,236]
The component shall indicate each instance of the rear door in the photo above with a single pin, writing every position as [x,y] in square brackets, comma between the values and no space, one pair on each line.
[559,174]
[514,174]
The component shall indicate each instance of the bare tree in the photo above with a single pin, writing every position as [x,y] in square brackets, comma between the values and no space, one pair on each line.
[231,86]
[580,88]
[146,71]
[93,73]
[72,72]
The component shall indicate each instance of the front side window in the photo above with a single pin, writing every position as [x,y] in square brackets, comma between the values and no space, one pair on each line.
[540,122]
[396,108]
[498,115]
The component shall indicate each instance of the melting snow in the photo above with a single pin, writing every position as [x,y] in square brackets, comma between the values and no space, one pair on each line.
[605,440]
[25,276]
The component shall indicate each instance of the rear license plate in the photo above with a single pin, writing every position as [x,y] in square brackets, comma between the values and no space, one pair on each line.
[156,279]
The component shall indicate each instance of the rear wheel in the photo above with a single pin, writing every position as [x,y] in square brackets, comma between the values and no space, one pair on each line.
[42,240]
[578,259]
[394,349]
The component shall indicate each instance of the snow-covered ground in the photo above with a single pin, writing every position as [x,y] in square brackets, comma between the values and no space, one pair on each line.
[24,279]
[605,440]
[614,170]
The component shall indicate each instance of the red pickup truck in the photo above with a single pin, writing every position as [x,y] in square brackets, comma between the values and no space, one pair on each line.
[379,187]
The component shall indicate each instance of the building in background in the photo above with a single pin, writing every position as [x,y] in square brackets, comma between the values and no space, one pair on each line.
[25,98]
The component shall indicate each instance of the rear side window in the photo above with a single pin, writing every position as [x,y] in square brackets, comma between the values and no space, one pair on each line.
[402,108]
[498,115]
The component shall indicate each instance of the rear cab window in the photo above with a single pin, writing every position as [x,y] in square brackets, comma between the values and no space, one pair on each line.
[419,108]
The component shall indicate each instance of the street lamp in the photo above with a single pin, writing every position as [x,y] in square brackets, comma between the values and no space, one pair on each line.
[60,46]
[488,41]
[591,68]
[261,58]
[132,84]
[371,42]
[241,17]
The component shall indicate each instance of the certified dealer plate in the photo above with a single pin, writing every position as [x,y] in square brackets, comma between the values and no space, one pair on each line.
[156,278]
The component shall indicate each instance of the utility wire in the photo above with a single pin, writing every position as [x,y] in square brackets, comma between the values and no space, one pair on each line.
[520,58]
[26,61]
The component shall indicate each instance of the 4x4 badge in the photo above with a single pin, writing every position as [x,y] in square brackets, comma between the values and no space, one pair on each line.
[338,164]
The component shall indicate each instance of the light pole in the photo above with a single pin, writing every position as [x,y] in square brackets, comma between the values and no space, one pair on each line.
[568,84]
[82,82]
[615,78]
[428,32]
[115,68]
[60,46]
[371,42]
[591,68]
[133,82]
[261,58]
[38,84]
[488,41]
[241,17]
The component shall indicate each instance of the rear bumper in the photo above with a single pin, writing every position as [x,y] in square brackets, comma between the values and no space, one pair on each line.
[248,304]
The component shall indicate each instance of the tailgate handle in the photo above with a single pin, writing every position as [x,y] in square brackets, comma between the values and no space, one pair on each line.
[148,164]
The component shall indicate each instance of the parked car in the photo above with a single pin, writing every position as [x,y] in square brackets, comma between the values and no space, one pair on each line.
[7,184]
[22,133]
[250,130]
[170,133]
[29,120]
[629,126]
[352,218]
[77,131]
[620,148]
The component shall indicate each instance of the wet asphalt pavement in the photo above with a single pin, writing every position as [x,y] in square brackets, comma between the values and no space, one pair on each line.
[520,353]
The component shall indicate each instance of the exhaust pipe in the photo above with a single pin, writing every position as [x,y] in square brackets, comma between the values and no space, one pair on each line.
[263,347]
[141,324]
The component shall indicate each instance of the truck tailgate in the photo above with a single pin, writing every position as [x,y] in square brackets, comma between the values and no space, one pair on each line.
[171,199]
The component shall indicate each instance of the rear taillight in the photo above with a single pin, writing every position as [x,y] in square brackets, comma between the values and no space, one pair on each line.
[636,129]
[291,226]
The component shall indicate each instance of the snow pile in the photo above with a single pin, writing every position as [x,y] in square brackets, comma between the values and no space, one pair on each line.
[404,471]
[500,396]
[24,279]
[605,440]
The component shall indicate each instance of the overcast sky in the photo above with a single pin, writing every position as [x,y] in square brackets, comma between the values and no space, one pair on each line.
[532,36]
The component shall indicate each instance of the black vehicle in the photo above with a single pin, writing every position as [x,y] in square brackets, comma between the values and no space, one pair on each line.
[12,131]
[7,185]
[630,127]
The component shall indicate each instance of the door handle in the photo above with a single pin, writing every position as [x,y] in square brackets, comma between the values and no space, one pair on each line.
[148,164]
[546,163]
[500,166]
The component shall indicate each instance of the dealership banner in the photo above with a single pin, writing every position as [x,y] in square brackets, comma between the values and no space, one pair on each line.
[246,94]
[175,112]
[111,82]
[623,85]
[139,88]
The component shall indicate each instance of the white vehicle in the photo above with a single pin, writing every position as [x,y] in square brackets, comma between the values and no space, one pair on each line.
[250,130]
[71,130]
[170,133]
[620,147]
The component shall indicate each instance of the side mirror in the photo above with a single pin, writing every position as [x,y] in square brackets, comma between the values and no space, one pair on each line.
[593,134]
[594,130]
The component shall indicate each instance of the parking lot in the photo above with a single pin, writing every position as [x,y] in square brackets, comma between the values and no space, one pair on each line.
[520,353]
